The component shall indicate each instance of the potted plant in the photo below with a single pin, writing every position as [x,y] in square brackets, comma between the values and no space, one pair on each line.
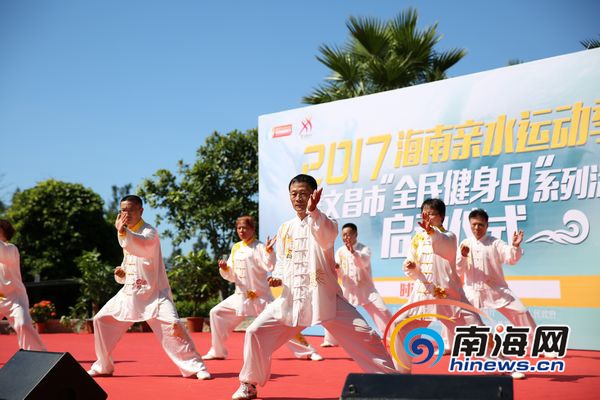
[196,285]
[42,312]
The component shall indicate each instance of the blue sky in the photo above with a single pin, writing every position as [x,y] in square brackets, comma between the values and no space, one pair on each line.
[106,93]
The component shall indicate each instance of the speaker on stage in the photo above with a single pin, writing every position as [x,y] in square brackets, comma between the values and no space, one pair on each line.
[418,387]
[37,375]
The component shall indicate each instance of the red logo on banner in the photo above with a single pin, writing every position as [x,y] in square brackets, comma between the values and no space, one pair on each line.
[282,130]
[306,126]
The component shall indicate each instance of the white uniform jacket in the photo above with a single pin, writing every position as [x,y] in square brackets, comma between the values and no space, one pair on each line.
[484,282]
[356,275]
[145,279]
[435,257]
[248,267]
[11,285]
[306,265]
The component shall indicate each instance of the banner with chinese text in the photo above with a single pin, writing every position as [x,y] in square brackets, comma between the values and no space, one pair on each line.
[521,142]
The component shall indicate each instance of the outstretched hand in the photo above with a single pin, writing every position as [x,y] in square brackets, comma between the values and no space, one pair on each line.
[121,223]
[425,222]
[120,272]
[274,282]
[464,250]
[517,238]
[270,243]
[314,199]
[409,264]
[223,264]
[350,248]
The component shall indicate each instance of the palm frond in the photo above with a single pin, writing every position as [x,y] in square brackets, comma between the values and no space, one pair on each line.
[405,23]
[382,56]
[445,60]
[342,65]
[370,38]
[590,43]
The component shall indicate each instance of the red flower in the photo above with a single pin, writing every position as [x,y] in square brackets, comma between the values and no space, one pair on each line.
[42,311]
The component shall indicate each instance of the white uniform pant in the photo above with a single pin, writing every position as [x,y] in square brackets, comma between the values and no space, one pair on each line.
[463,319]
[515,312]
[378,312]
[518,315]
[171,334]
[266,334]
[223,320]
[20,320]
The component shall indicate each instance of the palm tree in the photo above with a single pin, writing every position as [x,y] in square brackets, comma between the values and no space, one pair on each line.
[590,43]
[382,56]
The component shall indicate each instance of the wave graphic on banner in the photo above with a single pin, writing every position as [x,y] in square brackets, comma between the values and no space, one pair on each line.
[578,230]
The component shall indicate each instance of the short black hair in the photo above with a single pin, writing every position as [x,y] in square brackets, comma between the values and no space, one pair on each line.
[479,213]
[437,204]
[7,228]
[134,199]
[351,226]
[302,178]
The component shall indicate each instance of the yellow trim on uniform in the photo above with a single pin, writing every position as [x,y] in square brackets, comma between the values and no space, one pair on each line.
[137,226]
[249,242]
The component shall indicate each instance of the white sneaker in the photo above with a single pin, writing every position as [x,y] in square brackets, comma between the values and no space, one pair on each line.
[246,391]
[316,357]
[96,374]
[203,375]
[211,356]
[327,344]
[518,375]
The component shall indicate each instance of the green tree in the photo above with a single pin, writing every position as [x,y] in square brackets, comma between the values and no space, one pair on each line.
[203,200]
[57,221]
[382,56]
[3,206]
[195,281]
[97,284]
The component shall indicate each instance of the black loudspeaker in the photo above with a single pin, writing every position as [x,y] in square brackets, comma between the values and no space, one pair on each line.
[420,387]
[37,375]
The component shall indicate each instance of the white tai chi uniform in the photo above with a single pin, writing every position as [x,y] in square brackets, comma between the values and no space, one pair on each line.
[357,285]
[484,282]
[248,267]
[435,257]
[311,295]
[145,296]
[14,304]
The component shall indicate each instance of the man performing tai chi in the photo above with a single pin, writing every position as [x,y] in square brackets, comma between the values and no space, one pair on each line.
[14,304]
[353,260]
[248,266]
[479,263]
[311,295]
[145,296]
[431,262]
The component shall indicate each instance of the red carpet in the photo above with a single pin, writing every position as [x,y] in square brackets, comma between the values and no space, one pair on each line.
[143,371]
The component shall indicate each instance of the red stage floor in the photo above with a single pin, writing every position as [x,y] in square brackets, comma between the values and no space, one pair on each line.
[143,371]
